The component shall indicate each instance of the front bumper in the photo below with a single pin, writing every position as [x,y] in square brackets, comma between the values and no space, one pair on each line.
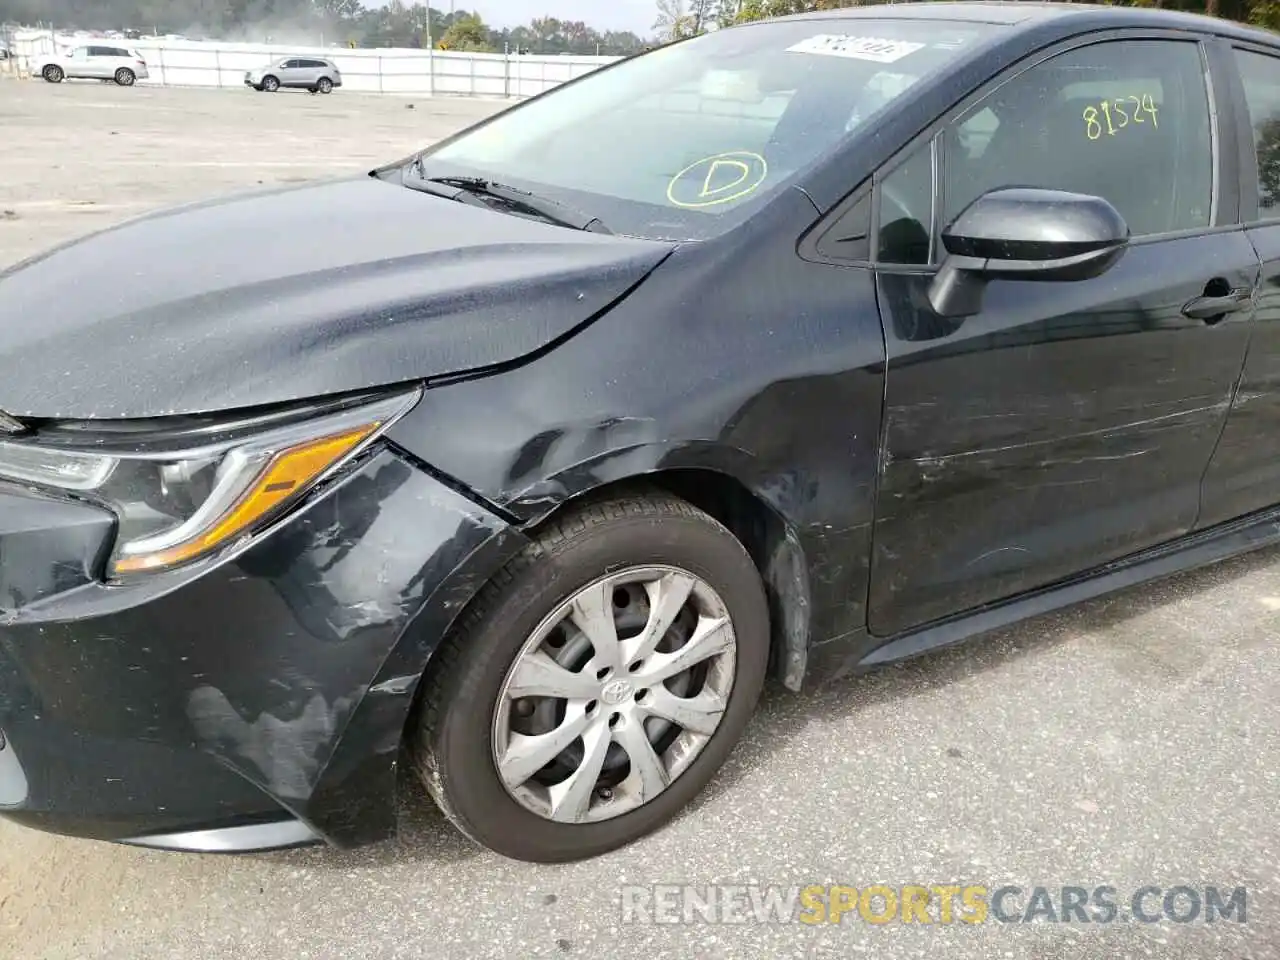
[251,702]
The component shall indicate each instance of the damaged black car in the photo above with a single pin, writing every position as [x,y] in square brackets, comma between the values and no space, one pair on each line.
[520,465]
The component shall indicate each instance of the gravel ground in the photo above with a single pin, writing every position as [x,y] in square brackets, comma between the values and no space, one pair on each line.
[1127,742]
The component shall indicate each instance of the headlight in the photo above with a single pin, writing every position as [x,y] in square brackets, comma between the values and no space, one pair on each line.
[182,494]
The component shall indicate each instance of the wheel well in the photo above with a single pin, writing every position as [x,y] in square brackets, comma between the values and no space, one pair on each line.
[771,543]
[773,547]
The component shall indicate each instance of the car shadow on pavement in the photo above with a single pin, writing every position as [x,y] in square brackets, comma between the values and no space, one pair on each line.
[1107,621]
[426,836]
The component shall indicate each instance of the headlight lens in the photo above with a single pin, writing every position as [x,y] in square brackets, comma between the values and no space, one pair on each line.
[177,501]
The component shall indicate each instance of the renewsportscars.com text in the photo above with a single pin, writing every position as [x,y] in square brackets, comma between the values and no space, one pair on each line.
[876,904]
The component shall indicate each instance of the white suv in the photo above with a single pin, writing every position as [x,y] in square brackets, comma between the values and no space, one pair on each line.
[123,66]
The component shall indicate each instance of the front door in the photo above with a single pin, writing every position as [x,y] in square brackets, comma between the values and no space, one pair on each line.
[101,63]
[1068,423]
[293,74]
[78,63]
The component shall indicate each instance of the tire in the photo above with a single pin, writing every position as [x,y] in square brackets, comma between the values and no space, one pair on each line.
[453,740]
[269,84]
[324,85]
[125,77]
[53,74]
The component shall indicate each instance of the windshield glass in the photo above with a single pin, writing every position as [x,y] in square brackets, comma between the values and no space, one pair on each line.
[683,142]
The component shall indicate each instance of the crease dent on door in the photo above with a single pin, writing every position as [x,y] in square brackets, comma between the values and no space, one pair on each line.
[1067,423]
[1026,445]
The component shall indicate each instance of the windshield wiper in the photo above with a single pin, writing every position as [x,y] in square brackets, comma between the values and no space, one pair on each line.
[473,189]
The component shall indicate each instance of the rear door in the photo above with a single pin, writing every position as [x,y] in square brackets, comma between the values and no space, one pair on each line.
[315,70]
[1068,423]
[119,57]
[1244,476]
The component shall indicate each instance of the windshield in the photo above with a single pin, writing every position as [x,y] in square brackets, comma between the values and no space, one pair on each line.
[683,142]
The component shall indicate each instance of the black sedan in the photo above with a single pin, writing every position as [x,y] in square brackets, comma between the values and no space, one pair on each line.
[522,463]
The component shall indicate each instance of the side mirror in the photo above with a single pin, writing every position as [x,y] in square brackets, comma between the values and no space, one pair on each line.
[1024,233]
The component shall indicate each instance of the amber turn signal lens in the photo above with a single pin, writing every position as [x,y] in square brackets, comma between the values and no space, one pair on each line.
[286,475]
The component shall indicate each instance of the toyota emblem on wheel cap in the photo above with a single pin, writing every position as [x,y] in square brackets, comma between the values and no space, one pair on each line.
[615,692]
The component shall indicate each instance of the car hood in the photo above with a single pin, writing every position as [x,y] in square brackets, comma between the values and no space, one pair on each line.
[290,293]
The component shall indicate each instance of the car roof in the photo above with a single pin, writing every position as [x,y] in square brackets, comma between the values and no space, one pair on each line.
[1027,13]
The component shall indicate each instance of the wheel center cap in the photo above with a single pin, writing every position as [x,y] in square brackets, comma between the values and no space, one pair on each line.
[615,691]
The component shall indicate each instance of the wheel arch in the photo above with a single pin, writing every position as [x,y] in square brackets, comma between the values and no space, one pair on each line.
[361,778]
[770,540]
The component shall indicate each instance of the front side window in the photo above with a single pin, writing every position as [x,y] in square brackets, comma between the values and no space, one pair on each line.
[906,211]
[1261,77]
[680,143]
[1127,120]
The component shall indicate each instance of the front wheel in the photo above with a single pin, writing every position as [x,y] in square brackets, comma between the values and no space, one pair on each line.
[270,84]
[125,77]
[597,683]
[53,74]
[325,85]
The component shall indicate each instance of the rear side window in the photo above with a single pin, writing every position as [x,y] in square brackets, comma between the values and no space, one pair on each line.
[1127,120]
[1261,76]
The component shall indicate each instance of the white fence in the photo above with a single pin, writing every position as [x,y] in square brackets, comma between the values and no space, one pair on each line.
[194,63]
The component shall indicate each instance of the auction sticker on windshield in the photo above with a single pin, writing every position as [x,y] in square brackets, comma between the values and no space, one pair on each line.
[876,49]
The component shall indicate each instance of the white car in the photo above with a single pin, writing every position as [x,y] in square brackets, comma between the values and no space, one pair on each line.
[120,64]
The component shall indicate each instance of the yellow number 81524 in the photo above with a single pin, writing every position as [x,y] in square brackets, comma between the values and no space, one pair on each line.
[1110,116]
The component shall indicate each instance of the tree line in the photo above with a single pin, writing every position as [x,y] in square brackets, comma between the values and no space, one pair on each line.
[344,22]
[677,19]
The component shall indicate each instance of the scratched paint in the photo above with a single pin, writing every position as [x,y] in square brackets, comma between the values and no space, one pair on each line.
[1045,435]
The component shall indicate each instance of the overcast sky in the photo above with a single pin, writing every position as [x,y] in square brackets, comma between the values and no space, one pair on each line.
[636,15]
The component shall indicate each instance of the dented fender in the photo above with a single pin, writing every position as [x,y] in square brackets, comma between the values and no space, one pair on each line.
[631,398]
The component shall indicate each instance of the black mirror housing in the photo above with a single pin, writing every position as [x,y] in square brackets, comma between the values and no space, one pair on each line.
[1025,233]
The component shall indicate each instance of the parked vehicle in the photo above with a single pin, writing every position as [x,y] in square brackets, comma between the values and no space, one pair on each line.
[301,73]
[791,350]
[120,64]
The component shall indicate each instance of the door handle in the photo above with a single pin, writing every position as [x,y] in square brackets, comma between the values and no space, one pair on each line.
[1211,309]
